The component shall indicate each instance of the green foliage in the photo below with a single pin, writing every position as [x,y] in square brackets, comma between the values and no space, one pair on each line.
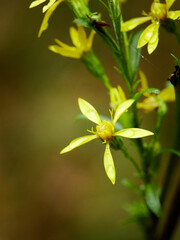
[149,90]
[153,200]
[176,59]
[135,54]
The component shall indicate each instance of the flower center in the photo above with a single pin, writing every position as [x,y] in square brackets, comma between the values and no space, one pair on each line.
[105,131]
[158,10]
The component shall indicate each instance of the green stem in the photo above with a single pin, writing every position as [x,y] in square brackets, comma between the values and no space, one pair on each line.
[127,155]
[173,158]
[174,211]
[177,36]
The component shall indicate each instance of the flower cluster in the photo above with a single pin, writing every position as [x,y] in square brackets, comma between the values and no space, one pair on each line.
[158,14]
[151,102]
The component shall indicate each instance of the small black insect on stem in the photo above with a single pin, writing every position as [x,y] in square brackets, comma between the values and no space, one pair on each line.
[98,24]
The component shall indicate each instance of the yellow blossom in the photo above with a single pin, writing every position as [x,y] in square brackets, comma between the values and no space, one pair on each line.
[79,39]
[151,101]
[105,130]
[117,96]
[49,9]
[159,12]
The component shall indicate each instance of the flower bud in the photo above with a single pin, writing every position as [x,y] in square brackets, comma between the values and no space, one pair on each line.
[105,131]
[158,10]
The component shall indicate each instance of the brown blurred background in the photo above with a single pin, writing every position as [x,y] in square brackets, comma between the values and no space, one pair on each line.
[45,196]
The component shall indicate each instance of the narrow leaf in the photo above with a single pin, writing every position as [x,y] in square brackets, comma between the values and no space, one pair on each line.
[83,22]
[176,59]
[169,150]
[152,200]
[149,90]
[135,53]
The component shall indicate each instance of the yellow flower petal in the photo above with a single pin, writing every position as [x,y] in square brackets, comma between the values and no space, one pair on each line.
[47,15]
[117,96]
[90,40]
[78,142]
[109,164]
[61,44]
[46,7]
[144,83]
[89,111]
[74,36]
[133,133]
[153,42]
[82,38]
[121,109]
[173,14]
[131,24]
[148,104]
[66,52]
[36,3]
[147,35]
[169,3]
[168,94]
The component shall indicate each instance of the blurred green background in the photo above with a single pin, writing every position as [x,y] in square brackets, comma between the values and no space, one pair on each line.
[44,195]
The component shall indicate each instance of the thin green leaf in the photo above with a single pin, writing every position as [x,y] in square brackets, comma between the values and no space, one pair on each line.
[152,200]
[127,183]
[83,22]
[136,84]
[176,59]
[169,150]
[148,90]
[135,53]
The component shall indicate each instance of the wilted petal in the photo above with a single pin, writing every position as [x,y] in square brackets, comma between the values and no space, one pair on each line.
[89,111]
[169,3]
[47,15]
[36,3]
[133,133]
[121,109]
[173,14]
[78,142]
[131,24]
[109,164]
[153,42]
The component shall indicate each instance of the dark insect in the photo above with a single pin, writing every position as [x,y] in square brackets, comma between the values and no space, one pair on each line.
[173,78]
[98,24]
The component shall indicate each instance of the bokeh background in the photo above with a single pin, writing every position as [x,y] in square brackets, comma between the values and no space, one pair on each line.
[44,195]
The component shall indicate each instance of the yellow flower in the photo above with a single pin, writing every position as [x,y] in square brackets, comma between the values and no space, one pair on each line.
[158,14]
[105,130]
[81,43]
[49,9]
[151,102]
[117,96]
